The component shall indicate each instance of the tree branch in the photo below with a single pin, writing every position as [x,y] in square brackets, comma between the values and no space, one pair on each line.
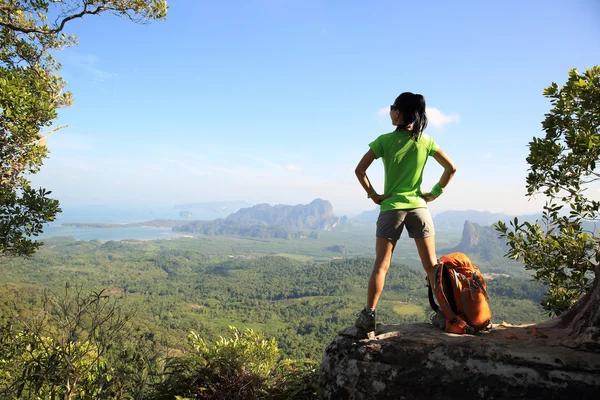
[42,139]
[59,28]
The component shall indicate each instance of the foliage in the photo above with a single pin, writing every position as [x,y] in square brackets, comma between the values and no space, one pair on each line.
[84,347]
[31,91]
[244,365]
[178,286]
[561,250]
[74,346]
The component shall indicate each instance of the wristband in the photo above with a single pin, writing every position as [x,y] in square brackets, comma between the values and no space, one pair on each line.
[374,193]
[437,190]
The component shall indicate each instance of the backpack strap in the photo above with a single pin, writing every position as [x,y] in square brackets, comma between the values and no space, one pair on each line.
[479,285]
[432,304]
[439,292]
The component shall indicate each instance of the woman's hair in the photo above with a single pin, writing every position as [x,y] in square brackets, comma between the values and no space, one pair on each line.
[412,107]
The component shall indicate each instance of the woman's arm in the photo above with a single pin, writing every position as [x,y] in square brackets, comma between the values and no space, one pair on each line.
[449,171]
[361,174]
[449,167]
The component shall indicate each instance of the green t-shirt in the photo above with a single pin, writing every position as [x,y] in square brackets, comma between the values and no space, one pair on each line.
[403,162]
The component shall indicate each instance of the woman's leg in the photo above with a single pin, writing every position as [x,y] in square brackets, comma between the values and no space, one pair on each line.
[426,248]
[384,248]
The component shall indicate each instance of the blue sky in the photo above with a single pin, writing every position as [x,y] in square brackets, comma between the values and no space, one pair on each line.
[276,100]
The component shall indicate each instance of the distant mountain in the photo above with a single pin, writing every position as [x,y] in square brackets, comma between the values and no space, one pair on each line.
[263,220]
[368,216]
[456,219]
[485,241]
[316,215]
[480,240]
[487,250]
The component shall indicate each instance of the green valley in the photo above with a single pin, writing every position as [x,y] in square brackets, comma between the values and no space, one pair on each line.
[290,289]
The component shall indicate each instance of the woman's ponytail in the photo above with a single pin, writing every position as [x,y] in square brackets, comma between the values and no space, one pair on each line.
[419,117]
[412,106]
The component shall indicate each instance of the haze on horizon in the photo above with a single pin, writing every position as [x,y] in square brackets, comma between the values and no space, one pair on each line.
[276,101]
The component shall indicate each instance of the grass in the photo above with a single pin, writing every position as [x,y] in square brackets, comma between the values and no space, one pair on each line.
[408,309]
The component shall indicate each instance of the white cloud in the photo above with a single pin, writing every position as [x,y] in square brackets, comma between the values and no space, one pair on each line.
[78,58]
[294,168]
[64,141]
[89,62]
[73,163]
[383,111]
[98,75]
[438,119]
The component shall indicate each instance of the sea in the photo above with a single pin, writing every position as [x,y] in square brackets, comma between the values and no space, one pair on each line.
[118,215]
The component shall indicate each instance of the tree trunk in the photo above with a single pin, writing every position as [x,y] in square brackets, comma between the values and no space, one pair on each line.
[580,325]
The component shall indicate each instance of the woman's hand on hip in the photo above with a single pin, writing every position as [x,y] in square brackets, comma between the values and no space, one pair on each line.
[428,197]
[378,198]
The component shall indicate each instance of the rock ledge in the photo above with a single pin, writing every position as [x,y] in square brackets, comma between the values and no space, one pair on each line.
[418,361]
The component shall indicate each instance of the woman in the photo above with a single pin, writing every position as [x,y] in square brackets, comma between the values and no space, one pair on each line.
[404,153]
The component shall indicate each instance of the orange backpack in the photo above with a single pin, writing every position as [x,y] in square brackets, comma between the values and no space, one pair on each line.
[460,292]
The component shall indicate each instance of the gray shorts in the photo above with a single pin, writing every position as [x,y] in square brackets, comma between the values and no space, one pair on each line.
[418,223]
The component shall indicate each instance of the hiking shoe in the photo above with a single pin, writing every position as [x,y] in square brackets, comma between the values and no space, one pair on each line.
[365,322]
[439,319]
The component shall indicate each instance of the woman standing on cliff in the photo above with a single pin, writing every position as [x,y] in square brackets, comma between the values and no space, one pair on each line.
[404,153]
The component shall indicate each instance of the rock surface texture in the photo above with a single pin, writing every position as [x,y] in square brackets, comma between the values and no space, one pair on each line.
[418,361]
